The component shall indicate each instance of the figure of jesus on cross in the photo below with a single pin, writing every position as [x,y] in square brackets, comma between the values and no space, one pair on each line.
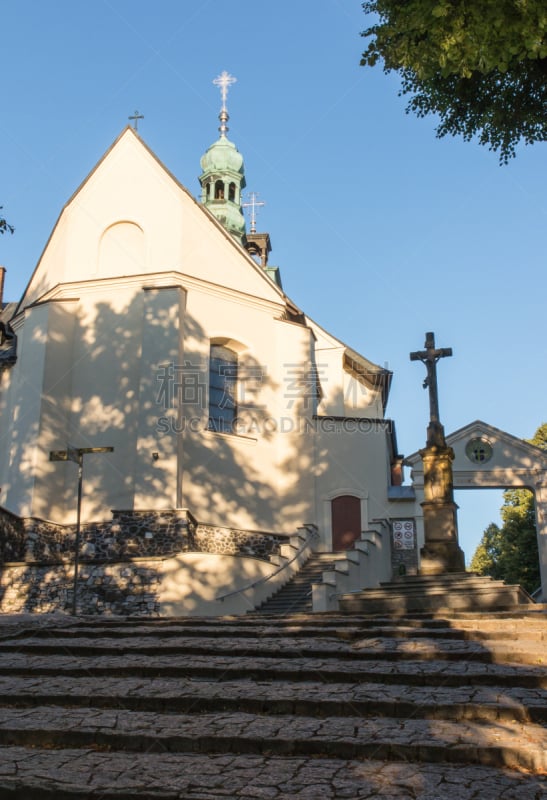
[430,356]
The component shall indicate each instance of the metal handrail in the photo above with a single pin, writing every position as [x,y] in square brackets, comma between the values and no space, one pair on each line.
[311,529]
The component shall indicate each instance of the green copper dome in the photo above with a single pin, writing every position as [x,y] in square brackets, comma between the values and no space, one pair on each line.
[222,156]
[222,182]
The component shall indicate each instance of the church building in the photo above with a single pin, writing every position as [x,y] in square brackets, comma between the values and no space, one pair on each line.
[224,436]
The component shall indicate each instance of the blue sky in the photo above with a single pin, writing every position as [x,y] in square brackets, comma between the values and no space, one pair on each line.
[381,231]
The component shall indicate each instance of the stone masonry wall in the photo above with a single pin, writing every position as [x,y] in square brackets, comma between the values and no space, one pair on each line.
[119,559]
[130,534]
[125,589]
[12,536]
[227,541]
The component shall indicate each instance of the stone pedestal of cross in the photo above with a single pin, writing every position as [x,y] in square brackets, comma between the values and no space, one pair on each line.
[441,552]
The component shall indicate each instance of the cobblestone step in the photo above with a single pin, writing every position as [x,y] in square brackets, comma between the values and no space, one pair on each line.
[224,667]
[522,651]
[280,697]
[500,624]
[72,774]
[437,629]
[508,744]
[305,707]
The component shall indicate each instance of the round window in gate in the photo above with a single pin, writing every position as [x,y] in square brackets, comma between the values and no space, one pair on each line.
[479,451]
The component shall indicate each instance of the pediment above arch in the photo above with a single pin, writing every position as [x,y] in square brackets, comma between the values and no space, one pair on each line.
[487,456]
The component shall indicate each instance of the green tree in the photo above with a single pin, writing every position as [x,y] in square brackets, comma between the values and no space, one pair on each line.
[5,226]
[510,552]
[481,65]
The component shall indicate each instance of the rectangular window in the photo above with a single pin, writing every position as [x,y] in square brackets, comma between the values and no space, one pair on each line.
[222,389]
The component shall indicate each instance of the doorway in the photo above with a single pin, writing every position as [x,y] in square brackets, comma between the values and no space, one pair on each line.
[346,522]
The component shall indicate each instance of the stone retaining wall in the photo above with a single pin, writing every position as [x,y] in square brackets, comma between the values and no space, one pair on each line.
[126,589]
[128,535]
[37,557]
[231,542]
[12,536]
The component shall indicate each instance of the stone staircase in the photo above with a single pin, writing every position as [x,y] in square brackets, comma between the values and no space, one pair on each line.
[311,706]
[296,595]
[456,591]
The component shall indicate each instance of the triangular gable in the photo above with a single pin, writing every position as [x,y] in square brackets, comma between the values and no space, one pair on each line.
[131,186]
[507,451]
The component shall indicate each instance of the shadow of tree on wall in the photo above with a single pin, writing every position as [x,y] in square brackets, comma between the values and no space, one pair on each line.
[103,392]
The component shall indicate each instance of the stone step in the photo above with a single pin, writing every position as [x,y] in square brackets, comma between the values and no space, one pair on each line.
[521,651]
[72,774]
[463,591]
[25,624]
[432,672]
[394,604]
[449,579]
[442,629]
[296,595]
[512,744]
[308,698]
[425,706]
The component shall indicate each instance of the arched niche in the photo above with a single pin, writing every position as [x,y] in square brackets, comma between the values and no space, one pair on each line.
[122,250]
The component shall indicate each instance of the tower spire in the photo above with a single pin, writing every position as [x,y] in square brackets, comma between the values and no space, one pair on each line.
[223,176]
[224,81]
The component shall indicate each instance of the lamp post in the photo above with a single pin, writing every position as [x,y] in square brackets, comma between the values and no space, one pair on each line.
[77,454]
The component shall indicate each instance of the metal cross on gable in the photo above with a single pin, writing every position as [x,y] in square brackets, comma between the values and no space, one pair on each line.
[136,117]
[430,356]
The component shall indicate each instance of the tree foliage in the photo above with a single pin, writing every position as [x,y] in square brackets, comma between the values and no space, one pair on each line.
[510,552]
[481,65]
[5,226]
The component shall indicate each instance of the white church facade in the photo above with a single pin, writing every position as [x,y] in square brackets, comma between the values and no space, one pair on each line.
[244,436]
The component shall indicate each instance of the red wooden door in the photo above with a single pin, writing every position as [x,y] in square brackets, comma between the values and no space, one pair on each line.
[346,521]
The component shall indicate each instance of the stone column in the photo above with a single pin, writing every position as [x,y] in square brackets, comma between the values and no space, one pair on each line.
[441,552]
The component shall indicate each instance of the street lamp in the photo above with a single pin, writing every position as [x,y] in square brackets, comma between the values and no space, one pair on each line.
[77,454]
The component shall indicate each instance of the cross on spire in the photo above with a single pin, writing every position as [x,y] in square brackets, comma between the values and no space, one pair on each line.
[136,117]
[224,81]
[253,204]
[430,356]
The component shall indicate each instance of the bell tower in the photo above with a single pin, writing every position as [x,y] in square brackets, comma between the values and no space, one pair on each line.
[223,176]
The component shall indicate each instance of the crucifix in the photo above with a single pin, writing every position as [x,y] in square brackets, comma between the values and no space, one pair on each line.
[253,204]
[136,117]
[430,356]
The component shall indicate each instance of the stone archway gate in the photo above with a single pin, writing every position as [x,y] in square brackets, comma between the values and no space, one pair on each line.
[488,458]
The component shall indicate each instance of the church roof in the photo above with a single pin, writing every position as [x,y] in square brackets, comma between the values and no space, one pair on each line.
[374,376]
[43,285]
[128,132]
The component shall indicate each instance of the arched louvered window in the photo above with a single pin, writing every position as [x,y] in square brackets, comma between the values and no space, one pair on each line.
[232,192]
[222,389]
[219,190]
